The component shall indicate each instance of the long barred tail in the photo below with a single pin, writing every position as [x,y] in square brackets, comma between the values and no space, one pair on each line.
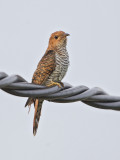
[37,113]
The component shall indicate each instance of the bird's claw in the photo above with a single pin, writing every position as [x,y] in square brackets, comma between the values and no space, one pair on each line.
[59,84]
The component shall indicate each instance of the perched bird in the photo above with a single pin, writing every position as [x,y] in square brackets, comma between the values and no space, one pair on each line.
[50,70]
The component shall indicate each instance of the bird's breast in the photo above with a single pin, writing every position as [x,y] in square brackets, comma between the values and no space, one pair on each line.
[62,63]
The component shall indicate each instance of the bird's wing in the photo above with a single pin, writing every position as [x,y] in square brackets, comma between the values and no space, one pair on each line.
[45,67]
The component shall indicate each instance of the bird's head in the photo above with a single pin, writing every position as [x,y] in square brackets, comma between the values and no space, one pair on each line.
[58,40]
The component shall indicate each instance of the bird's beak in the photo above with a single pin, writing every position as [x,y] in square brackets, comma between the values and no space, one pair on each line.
[66,34]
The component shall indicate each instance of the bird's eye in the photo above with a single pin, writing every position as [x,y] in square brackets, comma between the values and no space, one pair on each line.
[56,37]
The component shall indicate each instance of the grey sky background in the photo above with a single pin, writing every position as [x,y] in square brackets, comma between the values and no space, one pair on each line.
[66,131]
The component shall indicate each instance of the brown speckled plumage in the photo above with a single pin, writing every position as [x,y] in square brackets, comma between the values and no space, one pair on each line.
[50,70]
[45,68]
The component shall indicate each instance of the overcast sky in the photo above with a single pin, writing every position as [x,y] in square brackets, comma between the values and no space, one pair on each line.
[73,131]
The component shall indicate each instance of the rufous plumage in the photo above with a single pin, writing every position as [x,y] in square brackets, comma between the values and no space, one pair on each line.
[50,70]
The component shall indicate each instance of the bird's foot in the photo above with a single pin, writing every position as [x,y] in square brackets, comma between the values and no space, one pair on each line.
[59,84]
[62,84]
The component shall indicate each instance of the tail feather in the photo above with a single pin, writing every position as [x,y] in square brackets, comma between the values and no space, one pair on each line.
[29,102]
[37,113]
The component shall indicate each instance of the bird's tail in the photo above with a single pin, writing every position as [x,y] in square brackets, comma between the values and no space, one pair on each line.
[30,101]
[37,113]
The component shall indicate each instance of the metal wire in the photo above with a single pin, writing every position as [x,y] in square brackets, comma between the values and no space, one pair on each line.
[95,97]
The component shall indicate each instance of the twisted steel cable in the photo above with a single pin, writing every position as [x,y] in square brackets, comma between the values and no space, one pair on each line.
[95,97]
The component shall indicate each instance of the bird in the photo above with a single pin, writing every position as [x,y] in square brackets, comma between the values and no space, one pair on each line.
[50,71]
